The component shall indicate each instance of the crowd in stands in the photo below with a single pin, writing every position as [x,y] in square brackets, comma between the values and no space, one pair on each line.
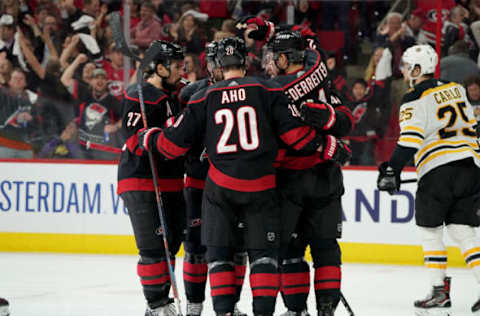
[59,62]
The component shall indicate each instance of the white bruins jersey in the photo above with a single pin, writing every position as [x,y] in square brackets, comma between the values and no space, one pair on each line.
[437,120]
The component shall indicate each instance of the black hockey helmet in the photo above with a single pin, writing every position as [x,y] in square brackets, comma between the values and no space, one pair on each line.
[166,53]
[231,51]
[290,43]
[211,51]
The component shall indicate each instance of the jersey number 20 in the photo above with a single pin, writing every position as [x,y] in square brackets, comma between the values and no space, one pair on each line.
[246,122]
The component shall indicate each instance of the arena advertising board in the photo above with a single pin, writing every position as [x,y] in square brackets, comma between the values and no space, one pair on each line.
[73,207]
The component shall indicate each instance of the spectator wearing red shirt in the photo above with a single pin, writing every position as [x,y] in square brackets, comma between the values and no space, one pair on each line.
[113,66]
[149,28]
[430,9]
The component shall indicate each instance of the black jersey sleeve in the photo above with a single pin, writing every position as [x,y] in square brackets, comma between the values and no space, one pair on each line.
[292,131]
[177,139]
[344,122]
[188,91]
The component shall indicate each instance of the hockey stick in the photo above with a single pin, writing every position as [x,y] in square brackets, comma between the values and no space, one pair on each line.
[347,306]
[408,181]
[150,53]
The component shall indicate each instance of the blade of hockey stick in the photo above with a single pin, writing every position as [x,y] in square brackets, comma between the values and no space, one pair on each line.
[347,306]
[149,55]
[408,181]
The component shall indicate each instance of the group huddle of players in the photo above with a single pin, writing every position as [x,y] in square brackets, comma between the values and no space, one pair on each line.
[262,161]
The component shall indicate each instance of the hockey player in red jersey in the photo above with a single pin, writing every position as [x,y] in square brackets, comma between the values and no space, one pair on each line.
[310,186]
[196,168]
[242,118]
[135,184]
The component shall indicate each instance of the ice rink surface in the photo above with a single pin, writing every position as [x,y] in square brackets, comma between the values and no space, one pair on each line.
[100,285]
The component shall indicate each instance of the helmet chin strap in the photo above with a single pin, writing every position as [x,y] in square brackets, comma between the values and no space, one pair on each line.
[412,79]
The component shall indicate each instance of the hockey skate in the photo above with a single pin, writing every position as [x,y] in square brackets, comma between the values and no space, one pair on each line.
[4,307]
[325,306]
[194,309]
[292,313]
[437,303]
[237,312]
[476,307]
[166,310]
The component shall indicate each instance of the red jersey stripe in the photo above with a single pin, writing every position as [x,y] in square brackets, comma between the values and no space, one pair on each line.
[260,184]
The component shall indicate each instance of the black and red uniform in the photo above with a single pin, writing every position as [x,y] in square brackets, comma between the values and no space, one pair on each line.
[367,116]
[135,186]
[93,113]
[242,120]
[311,190]
[196,169]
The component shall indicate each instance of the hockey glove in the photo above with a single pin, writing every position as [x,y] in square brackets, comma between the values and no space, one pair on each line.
[388,179]
[145,139]
[318,115]
[263,30]
[336,150]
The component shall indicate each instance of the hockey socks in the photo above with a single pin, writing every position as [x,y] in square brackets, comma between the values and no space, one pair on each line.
[155,280]
[265,283]
[240,260]
[223,286]
[327,281]
[465,236]
[435,254]
[295,283]
[195,277]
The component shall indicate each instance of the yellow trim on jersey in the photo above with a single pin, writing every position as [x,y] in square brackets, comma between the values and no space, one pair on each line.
[410,140]
[445,142]
[446,152]
[470,251]
[436,265]
[412,128]
[435,253]
[474,264]
[442,87]
[472,122]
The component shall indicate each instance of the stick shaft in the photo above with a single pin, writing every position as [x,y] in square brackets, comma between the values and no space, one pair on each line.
[347,306]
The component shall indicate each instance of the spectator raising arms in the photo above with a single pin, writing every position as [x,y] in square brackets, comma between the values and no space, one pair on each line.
[98,114]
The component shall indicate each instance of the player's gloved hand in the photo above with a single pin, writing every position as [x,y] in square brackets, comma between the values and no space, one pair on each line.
[336,150]
[318,115]
[145,139]
[388,179]
[305,31]
[263,30]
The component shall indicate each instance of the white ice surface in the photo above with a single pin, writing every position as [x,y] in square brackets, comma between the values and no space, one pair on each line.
[101,285]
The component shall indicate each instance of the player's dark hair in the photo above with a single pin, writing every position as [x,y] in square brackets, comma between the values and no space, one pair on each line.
[289,43]
[361,82]
[165,56]
[472,80]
